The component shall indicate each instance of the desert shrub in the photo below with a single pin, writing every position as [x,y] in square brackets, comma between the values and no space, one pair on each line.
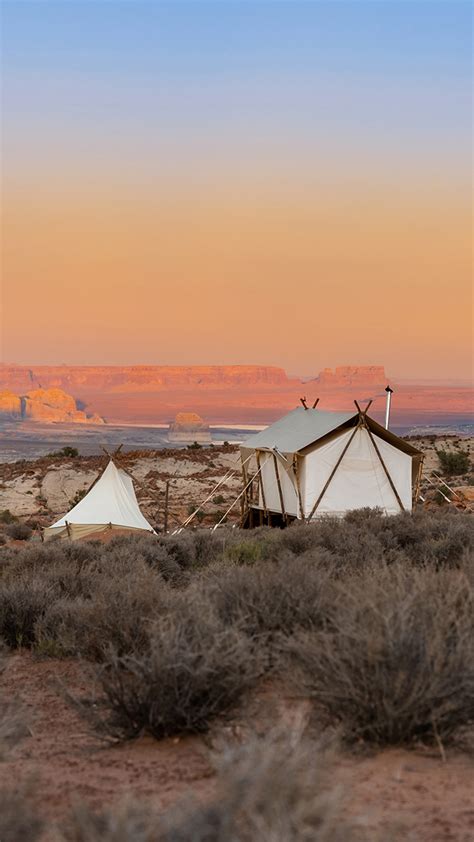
[22,603]
[118,617]
[395,663]
[7,517]
[427,538]
[194,670]
[218,499]
[71,452]
[270,598]
[182,548]
[152,551]
[19,531]
[454,464]
[18,821]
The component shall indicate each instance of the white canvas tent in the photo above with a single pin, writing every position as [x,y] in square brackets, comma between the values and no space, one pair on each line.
[110,503]
[313,462]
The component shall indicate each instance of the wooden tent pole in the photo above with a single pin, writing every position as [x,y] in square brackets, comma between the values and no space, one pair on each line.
[387,474]
[297,481]
[165,519]
[331,475]
[280,492]
[418,479]
[260,480]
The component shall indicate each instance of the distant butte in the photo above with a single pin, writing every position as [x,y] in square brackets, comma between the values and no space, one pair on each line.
[257,394]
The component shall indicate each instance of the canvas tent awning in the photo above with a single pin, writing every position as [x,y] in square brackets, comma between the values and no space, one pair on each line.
[110,503]
[300,428]
[297,430]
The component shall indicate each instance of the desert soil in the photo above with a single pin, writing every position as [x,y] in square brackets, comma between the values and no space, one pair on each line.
[423,797]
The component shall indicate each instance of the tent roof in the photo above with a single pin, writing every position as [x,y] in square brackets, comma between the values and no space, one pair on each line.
[302,427]
[297,430]
[111,499]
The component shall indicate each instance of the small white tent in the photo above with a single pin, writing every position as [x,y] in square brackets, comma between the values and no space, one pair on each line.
[110,503]
[312,462]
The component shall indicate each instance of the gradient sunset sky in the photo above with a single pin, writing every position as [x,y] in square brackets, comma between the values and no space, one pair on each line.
[281,183]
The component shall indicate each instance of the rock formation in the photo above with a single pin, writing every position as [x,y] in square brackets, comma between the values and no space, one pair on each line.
[353,375]
[82,379]
[189,427]
[10,405]
[44,405]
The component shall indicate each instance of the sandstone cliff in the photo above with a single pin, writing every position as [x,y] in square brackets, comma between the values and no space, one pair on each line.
[82,379]
[44,405]
[353,375]
[10,405]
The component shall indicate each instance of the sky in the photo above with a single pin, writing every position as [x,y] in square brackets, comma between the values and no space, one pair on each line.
[283,183]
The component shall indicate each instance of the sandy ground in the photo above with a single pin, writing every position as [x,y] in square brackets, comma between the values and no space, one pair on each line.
[431,800]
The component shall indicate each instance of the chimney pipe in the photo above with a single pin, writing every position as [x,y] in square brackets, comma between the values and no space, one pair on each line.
[389,392]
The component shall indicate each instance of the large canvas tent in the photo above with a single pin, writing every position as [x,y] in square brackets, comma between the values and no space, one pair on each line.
[312,462]
[110,503]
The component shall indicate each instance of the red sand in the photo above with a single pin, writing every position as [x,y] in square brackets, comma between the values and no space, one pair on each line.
[433,801]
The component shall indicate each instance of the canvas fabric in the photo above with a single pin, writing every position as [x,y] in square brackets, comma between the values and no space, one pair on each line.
[111,501]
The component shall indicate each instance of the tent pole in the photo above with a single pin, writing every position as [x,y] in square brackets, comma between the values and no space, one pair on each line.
[331,475]
[165,519]
[418,479]
[297,481]
[387,474]
[280,492]
[260,480]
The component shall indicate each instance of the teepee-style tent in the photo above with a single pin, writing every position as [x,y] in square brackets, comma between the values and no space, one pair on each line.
[110,503]
[312,462]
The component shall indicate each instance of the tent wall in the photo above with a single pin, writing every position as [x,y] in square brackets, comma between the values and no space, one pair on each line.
[360,480]
[270,485]
[82,530]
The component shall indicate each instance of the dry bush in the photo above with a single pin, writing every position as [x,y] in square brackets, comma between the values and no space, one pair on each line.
[270,598]
[22,602]
[117,616]
[258,797]
[396,662]
[18,820]
[194,670]
[19,531]
[76,600]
